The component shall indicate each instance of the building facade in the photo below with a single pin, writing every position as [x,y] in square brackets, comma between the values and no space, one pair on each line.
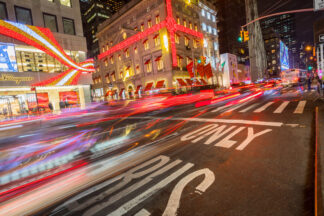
[29,64]
[146,46]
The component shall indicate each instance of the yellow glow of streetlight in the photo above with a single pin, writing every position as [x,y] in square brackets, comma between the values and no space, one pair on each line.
[308,48]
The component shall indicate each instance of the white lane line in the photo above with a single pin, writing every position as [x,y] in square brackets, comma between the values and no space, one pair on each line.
[282,107]
[249,108]
[300,107]
[226,121]
[148,193]
[264,107]
[219,108]
[10,127]
[143,212]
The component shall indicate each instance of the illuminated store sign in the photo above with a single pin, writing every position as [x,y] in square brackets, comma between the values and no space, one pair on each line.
[8,61]
[284,56]
[16,79]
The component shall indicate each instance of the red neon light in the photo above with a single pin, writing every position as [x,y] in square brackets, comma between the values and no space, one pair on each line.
[169,23]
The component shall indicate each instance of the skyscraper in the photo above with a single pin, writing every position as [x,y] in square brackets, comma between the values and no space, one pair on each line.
[95,12]
[231,16]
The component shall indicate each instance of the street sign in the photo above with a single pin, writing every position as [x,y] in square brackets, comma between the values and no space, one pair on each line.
[321,38]
[318,4]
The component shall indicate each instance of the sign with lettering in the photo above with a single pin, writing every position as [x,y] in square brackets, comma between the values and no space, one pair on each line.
[23,78]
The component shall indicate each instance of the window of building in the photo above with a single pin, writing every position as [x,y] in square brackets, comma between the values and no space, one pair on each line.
[159,63]
[273,51]
[149,23]
[157,19]
[66,3]
[179,61]
[274,62]
[178,20]
[196,27]
[3,11]
[106,62]
[190,25]
[215,46]
[203,13]
[23,15]
[208,15]
[135,50]
[157,40]
[146,45]
[177,38]
[186,41]
[214,31]
[148,64]
[203,26]
[127,53]
[142,27]
[107,78]
[213,18]
[188,60]
[205,42]
[107,46]
[135,29]
[68,26]
[124,35]
[209,29]
[119,57]
[138,69]
[184,23]
[195,44]
[50,22]
[111,60]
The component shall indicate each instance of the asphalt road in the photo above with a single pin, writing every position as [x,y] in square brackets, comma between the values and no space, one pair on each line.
[251,158]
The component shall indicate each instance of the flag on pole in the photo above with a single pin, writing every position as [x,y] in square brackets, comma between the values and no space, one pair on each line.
[200,70]
[208,71]
[189,68]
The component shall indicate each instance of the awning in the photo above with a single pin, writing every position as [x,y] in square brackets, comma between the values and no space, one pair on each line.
[197,82]
[203,82]
[177,34]
[127,68]
[159,84]
[144,41]
[187,37]
[189,81]
[113,73]
[121,92]
[179,56]
[126,50]
[147,61]
[155,36]
[158,58]
[148,86]
[137,67]
[138,88]
[107,75]
[108,93]
[181,82]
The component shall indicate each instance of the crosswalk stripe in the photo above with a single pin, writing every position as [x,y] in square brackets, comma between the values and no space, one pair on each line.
[264,107]
[300,107]
[281,107]
[235,108]
[219,108]
[249,108]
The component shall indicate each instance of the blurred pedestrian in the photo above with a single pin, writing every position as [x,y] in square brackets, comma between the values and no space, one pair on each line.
[318,84]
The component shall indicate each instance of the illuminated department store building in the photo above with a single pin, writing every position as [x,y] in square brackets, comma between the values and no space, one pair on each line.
[146,46]
[43,52]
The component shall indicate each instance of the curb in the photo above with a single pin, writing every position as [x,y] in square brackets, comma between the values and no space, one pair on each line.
[319,163]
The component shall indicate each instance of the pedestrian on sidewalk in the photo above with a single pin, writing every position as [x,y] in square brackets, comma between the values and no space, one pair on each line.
[318,84]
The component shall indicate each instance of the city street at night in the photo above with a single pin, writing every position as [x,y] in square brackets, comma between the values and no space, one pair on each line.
[250,154]
[161,108]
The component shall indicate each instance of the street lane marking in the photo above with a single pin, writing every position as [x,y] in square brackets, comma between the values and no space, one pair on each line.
[300,107]
[282,107]
[148,193]
[249,108]
[234,108]
[228,121]
[264,107]
[219,108]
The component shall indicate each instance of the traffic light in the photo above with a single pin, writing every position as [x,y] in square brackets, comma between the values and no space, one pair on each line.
[310,67]
[246,36]
[239,39]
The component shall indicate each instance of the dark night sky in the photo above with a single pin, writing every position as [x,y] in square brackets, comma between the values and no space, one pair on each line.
[304,21]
